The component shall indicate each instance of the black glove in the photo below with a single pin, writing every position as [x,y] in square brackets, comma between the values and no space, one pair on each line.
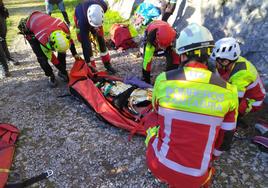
[146,76]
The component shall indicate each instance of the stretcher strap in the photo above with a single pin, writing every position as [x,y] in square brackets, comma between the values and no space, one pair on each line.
[4,170]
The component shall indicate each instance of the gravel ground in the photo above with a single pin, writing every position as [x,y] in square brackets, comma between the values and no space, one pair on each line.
[64,135]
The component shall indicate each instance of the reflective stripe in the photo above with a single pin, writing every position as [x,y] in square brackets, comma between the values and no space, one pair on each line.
[228,126]
[257,103]
[32,20]
[4,170]
[241,94]
[217,153]
[191,117]
[56,20]
[257,81]
[254,83]
[40,32]
[169,115]
[39,38]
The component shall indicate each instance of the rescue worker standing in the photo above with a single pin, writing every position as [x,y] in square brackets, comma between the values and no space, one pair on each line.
[159,36]
[238,71]
[196,112]
[5,55]
[88,19]
[60,4]
[45,35]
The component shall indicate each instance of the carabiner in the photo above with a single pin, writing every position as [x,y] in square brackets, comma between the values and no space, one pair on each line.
[49,173]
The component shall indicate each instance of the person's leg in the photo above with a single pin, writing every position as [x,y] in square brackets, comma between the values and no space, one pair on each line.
[49,8]
[3,62]
[169,9]
[63,74]
[105,56]
[3,33]
[41,57]
[64,13]
[163,8]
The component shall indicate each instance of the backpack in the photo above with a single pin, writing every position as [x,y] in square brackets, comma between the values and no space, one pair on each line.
[23,28]
[121,37]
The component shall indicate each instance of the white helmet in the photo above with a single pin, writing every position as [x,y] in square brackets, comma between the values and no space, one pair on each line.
[226,48]
[193,37]
[95,15]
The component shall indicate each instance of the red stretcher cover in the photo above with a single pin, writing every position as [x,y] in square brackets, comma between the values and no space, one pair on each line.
[8,137]
[81,85]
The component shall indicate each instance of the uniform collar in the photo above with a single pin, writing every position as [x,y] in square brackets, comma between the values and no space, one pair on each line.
[196,64]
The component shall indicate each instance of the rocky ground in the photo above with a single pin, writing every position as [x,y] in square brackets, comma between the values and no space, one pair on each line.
[64,135]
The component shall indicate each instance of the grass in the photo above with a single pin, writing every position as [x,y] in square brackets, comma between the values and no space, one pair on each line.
[19,9]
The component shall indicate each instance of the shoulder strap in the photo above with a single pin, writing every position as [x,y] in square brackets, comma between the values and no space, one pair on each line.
[238,66]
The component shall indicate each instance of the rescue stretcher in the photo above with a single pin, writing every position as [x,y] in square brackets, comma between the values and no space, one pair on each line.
[123,105]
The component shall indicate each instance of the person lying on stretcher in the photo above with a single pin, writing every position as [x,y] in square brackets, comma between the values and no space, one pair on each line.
[131,94]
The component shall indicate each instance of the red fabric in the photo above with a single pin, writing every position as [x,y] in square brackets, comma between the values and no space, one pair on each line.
[8,137]
[54,59]
[80,80]
[165,34]
[243,105]
[100,31]
[106,58]
[80,70]
[195,64]
[174,179]
[121,37]
[38,24]
[175,58]
[93,63]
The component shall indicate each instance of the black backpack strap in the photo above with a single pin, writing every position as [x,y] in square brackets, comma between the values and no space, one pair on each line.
[31,181]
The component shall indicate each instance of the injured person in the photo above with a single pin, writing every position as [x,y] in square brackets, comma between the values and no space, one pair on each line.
[124,103]
[131,95]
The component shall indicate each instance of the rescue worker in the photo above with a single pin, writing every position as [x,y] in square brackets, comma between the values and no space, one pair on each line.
[60,4]
[196,112]
[159,37]
[167,8]
[5,55]
[88,19]
[240,72]
[46,35]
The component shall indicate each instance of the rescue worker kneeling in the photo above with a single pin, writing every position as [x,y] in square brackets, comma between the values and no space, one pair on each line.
[197,113]
[46,35]
[159,37]
[238,71]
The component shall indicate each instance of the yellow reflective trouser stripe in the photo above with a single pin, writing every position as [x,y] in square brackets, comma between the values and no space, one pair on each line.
[250,102]
[4,170]
[150,133]
[210,174]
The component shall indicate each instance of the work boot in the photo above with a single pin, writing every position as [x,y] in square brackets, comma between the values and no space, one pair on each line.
[109,68]
[63,76]
[52,81]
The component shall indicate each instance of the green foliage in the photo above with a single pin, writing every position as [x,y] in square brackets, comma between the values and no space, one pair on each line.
[19,9]
[111,17]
